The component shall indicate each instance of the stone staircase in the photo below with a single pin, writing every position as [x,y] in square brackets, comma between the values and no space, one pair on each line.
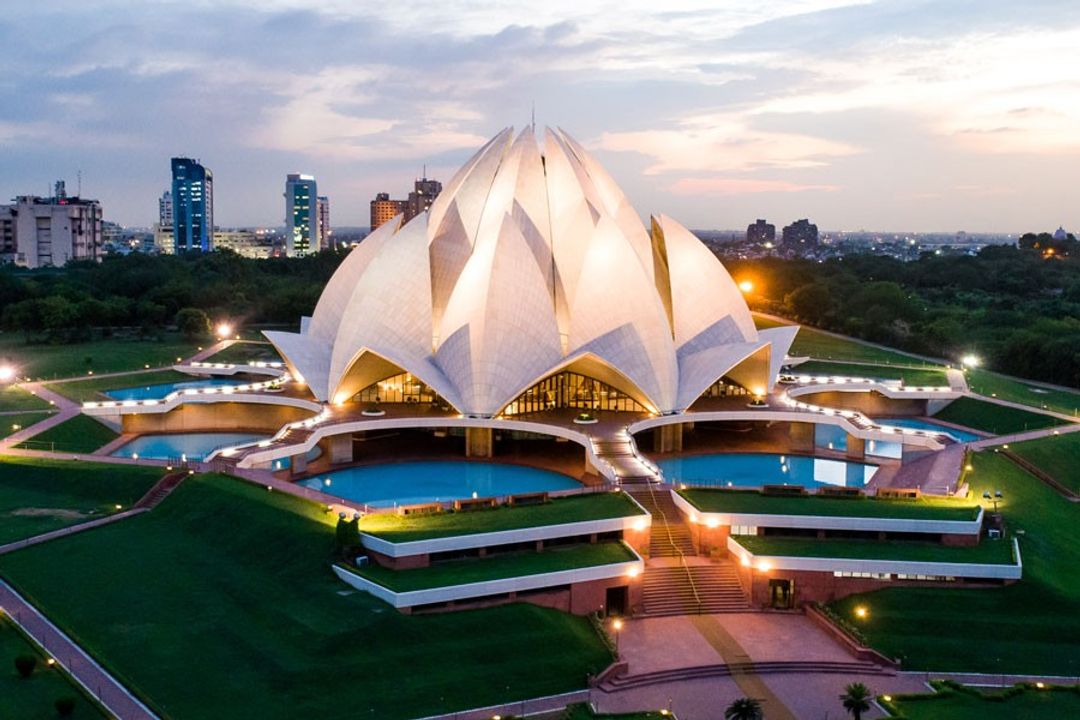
[620,452]
[828,667]
[160,491]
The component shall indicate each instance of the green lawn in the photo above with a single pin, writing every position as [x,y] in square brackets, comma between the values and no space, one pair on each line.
[743,501]
[822,346]
[1055,455]
[221,603]
[37,495]
[989,383]
[15,399]
[245,352]
[918,377]
[499,567]
[50,362]
[963,703]
[405,528]
[581,711]
[988,552]
[86,390]
[32,698]
[1032,626]
[13,423]
[993,418]
[80,434]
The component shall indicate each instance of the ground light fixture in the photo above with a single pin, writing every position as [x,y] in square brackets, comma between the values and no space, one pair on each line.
[861,612]
[7,373]
[617,626]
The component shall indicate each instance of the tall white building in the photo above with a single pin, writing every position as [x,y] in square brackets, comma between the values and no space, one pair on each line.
[163,230]
[42,232]
[301,220]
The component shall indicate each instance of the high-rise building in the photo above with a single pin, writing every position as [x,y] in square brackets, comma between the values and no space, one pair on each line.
[301,219]
[165,209]
[801,233]
[193,205]
[323,213]
[761,232]
[424,193]
[383,209]
[164,242]
[41,232]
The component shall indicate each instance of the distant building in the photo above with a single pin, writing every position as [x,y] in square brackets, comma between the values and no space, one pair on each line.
[424,193]
[42,232]
[248,243]
[801,233]
[164,242]
[301,220]
[165,209]
[1061,233]
[323,213]
[761,232]
[384,209]
[193,205]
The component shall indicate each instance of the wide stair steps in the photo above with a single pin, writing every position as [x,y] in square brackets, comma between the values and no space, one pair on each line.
[620,453]
[670,536]
[160,491]
[828,667]
[693,590]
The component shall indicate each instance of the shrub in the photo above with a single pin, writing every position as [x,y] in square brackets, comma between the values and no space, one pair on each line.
[25,664]
[65,706]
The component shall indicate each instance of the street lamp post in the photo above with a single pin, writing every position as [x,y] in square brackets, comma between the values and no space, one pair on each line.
[617,626]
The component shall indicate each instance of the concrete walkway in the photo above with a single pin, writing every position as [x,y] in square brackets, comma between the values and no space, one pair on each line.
[1022,436]
[1021,406]
[99,683]
[69,530]
[66,409]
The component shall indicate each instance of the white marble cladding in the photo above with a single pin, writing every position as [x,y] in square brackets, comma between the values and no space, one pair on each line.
[530,260]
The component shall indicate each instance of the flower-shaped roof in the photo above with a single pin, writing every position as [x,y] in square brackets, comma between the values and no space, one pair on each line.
[532,261]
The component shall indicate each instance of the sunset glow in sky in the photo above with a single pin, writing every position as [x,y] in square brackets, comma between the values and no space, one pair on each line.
[914,115]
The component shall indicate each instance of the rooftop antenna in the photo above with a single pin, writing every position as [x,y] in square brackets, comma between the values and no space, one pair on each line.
[425,171]
[78,174]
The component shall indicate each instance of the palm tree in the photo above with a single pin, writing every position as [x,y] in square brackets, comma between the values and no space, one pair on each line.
[744,708]
[856,699]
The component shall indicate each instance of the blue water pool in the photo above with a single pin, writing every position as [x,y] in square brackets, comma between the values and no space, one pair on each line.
[757,469]
[158,392]
[419,482]
[194,446]
[959,435]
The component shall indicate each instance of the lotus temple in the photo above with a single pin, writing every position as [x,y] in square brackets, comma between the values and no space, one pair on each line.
[529,377]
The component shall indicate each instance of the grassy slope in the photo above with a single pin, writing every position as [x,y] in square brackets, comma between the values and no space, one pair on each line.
[1056,455]
[998,552]
[32,698]
[985,382]
[974,705]
[84,390]
[244,618]
[405,528]
[14,399]
[581,711]
[473,570]
[246,352]
[81,487]
[1032,626]
[822,346]
[708,500]
[80,434]
[993,418]
[910,376]
[113,355]
[13,423]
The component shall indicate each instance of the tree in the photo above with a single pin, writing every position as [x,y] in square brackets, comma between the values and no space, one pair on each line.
[25,664]
[193,323]
[744,708]
[856,699]
[811,303]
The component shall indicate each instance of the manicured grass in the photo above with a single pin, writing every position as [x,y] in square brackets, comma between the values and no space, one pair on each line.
[39,495]
[993,418]
[80,434]
[989,383]
[581,711]
[499,567]
[916,377]
[742,501]
[220,603]
[13,423]
[953,702]
[95,389]
[50,362]
[14,398]
[987,552]
[405,528]
[822,346]
[1032,626]
[1055,455]
[245,352]
[32,698]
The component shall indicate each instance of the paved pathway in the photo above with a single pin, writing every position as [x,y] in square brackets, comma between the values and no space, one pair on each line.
[66,409]
[69,530]
[1021,406]
[1022,436]
[72,658]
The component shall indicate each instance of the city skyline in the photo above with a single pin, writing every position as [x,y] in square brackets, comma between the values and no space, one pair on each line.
[855,115]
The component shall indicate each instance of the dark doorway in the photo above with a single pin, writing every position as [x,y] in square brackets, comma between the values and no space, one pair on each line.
[617,600]
[781,594]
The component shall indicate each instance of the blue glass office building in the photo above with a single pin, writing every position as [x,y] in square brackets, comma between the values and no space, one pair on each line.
[193,205]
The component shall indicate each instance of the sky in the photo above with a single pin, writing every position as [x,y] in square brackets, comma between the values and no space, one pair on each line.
[935,115]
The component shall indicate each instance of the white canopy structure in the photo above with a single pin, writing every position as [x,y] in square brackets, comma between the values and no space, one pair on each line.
[529,264]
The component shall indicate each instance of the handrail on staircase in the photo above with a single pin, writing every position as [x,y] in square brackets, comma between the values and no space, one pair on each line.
[671,540]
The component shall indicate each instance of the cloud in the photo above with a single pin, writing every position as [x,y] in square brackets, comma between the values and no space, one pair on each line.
[741,186]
